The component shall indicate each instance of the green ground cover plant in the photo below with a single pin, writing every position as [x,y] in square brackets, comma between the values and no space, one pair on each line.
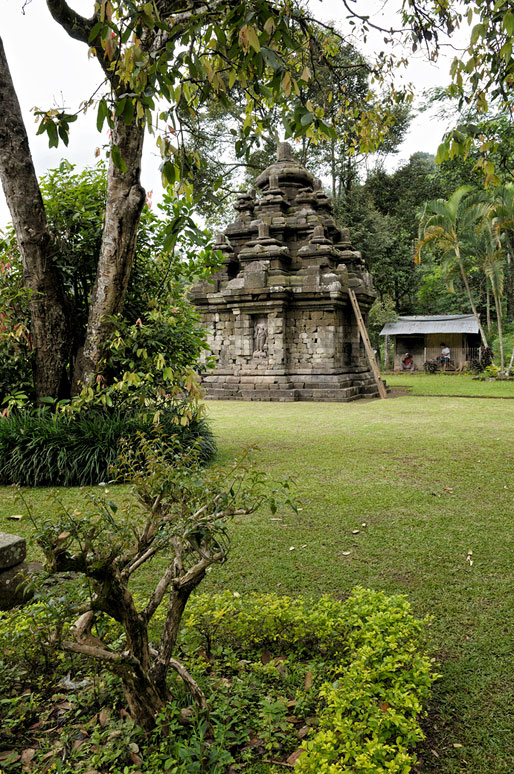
[408,495]
[324,684]
[450,385]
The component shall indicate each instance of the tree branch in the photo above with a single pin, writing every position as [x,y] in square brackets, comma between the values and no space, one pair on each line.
[97,652]
[196,691]
[158,594]
[197,570]
[139,561]
[77,26]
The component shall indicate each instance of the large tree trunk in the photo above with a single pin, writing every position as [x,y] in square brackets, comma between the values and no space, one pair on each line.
[145,701]
[49,321]
[125,200]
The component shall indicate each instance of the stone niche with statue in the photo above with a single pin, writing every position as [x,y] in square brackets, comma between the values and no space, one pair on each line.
[279,319]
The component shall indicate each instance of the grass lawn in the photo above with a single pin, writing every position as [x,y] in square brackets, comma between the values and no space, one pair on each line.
[450,384]
[395,495]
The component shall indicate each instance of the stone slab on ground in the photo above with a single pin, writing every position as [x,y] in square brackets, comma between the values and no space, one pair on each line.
[13,550]
[13,586]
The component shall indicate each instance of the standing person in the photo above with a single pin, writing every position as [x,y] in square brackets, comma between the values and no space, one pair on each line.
[445,355]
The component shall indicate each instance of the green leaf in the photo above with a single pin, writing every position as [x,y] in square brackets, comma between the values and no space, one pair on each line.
[508,23]
[95,31]
[117,159]
[307,119]
[128,112]
[271,58]
[477,32]
[253,39]
[103,112]
[53,137]
[64,133]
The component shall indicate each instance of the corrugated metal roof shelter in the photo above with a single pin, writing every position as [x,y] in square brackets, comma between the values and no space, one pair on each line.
[437,323]
[423,335]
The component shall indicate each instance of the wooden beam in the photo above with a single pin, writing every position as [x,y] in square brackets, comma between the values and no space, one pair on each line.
[367,344]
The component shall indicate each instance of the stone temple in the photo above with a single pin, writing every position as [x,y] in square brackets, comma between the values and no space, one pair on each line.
[279,318]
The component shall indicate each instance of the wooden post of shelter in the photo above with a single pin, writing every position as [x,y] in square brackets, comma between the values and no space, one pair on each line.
[367,344]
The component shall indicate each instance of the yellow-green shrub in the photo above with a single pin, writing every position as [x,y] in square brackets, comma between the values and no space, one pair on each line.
[371,646]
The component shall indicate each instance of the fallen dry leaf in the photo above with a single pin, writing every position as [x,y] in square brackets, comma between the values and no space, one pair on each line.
[9,755]
[266,656]
[294,757]
[307,683]
[27,755]
[103,717]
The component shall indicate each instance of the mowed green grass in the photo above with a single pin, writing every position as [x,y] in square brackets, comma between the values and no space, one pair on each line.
[432,481]
[450,384]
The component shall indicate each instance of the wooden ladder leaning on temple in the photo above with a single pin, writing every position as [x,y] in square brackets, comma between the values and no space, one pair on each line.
[367,344]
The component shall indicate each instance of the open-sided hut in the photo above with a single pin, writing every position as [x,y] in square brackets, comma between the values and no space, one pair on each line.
[279,318]
[422,335]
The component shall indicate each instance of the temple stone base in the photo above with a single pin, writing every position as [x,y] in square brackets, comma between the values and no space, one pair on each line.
[295,387]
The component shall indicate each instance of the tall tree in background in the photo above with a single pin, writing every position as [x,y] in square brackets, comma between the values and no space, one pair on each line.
[446,223]
[504,228]
[488,252]
[382,213]
[340,84]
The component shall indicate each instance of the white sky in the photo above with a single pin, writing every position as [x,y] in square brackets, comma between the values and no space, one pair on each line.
[50,69]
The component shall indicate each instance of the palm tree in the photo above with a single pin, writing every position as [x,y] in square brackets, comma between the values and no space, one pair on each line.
[445,222]
[503,225]
[489,251]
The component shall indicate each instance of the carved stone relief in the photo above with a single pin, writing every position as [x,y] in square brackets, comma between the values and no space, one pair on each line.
[260,337]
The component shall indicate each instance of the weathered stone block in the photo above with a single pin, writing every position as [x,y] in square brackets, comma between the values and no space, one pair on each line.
[13,586]
[13,550]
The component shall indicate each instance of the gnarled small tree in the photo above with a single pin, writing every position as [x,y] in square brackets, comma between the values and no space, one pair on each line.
[186,509]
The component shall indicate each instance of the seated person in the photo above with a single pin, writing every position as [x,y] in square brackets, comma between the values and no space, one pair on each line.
[407,362]
[444,358]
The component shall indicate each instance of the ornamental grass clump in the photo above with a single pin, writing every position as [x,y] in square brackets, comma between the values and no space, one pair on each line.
[46,448]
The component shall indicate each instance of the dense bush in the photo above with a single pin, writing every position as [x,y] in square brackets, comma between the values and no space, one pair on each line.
[329,686]
[42,448]
[375,677]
